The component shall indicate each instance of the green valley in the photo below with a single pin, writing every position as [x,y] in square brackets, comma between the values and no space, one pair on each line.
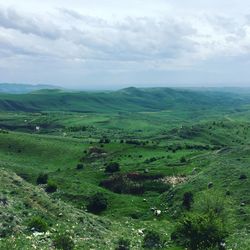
[154,168]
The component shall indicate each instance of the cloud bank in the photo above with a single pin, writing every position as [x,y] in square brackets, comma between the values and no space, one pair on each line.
[107,45]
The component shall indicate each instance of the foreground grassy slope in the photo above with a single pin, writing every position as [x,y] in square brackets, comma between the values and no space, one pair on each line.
[24,201]
[21,201]
[223,166]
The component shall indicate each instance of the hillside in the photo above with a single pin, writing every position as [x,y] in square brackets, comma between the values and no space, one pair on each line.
[128,165]
[33,202]
[126,100]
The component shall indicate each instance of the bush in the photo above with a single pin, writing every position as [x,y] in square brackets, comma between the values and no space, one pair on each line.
[9,224]
[38,224]
[51,187]
[152,240]
[112,167]
[243,177]
[183,160]
[63,241]
[187,200]
[42,178]
[97,203]
[79,166]
[200,232]
[123,245]
[213,202]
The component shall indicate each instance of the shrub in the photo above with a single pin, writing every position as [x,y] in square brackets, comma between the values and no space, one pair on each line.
[152,159]
[25,176]
[200,232]
[243,177]
[213,202]
[79,166]
[42,178]
[183,160]
[51,187]
[38,224]
[152,240]
[64,241]
[112,167]
[97,203]
[187,200]
[9,224]
[123,244]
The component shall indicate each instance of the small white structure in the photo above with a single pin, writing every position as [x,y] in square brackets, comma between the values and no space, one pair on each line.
[157,212]
[37,128]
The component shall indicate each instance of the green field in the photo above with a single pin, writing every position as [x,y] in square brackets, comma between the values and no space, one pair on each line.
[167,142]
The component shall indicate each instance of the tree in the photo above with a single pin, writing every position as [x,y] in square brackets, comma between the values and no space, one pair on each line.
[97,203]
[123,244]
[112,167]
[64,241]
[206,227]
[183,160]
[42,178]
[152,240]
[79,166]
[51,187]
[200,232]
[187,200]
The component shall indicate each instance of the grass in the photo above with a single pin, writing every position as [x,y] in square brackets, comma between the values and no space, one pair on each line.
[213,140]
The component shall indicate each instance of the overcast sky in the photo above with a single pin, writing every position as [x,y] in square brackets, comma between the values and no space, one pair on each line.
[117,43]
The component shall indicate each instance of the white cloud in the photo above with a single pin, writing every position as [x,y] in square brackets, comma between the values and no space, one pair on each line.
[89,40]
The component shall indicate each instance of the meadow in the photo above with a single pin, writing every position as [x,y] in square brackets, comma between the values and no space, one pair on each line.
[125,169]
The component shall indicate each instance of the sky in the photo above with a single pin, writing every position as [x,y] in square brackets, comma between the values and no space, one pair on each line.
[119,43]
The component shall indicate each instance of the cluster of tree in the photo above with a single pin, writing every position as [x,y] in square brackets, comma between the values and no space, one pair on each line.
[105,140]
[112,167]
[136,142]
[51,186]
[2,131]
[76,128]
[190,132]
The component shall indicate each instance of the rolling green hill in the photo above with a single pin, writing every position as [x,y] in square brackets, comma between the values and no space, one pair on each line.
[128,100]
[180,154]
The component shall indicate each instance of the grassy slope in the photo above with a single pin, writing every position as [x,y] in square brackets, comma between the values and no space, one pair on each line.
[129,100]
[225,133]
[55,152]
[25,201]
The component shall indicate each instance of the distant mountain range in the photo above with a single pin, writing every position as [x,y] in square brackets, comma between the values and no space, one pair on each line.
[125,100]
[14,88]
